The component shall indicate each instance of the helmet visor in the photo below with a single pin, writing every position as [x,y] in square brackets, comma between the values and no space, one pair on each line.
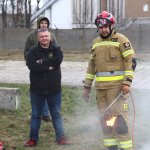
[102,22]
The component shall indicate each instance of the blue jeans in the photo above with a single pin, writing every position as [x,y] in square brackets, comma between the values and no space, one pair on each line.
[54,104]
[45,110]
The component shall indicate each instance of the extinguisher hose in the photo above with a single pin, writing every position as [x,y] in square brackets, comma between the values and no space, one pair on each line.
[134,115]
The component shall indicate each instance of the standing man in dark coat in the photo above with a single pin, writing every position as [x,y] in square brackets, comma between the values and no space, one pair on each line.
[45,84]
[31,41]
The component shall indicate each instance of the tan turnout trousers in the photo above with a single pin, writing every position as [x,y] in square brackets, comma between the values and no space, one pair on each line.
[104,98]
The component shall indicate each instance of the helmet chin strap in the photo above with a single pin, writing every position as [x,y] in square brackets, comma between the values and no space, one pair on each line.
[105,37]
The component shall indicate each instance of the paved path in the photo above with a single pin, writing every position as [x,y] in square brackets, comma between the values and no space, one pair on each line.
[72,73]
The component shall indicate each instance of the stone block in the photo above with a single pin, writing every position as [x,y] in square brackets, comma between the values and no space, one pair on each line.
[9,98]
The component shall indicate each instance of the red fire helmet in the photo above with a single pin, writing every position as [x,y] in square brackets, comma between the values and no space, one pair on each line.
[104,18]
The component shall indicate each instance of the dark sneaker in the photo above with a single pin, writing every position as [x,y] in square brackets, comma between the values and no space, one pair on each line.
[30,143]
[63,141]
[46,118]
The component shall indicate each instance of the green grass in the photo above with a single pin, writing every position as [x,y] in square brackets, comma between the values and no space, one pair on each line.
[78,122]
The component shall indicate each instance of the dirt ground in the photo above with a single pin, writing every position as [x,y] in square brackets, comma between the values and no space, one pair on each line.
[74,56]
[18,55]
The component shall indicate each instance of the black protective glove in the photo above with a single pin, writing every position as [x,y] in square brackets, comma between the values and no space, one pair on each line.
[86,93]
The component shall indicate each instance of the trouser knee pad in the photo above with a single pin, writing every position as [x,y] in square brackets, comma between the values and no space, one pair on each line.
[120,125]
[105,128]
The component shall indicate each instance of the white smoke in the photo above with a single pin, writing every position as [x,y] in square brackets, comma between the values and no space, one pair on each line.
[85,126]
[146,146]
[141,137]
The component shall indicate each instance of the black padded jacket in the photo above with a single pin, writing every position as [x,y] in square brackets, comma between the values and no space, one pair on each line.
[42,79]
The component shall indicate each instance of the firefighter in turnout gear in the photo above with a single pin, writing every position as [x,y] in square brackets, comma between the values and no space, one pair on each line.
[112,66]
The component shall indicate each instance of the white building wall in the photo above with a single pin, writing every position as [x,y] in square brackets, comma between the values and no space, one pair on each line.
[62,14]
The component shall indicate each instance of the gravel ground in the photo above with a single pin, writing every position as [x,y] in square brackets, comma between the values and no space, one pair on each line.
[73,73]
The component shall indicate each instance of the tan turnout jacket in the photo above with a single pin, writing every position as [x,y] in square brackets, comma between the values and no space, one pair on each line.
[110,62]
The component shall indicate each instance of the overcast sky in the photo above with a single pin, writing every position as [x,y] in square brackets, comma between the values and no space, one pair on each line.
[33,2]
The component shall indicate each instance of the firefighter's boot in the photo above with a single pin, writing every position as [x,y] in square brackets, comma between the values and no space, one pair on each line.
[115,147]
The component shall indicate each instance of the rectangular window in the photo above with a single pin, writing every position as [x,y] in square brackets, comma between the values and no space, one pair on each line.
[83,13]
[145,7]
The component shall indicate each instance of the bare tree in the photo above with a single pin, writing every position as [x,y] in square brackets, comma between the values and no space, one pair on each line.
[83,17]
[27,13]
[19,15]
[83,13]
[4,13]
[12,3]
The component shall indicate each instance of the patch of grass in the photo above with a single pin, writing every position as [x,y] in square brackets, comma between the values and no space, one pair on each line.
[14,125]
[11,55]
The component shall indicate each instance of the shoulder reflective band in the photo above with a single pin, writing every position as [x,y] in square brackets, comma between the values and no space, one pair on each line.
[110,73]
[90,76]
[126,144]
[112,78]
[105,43]
[110,142]
[129,73]
[128,52]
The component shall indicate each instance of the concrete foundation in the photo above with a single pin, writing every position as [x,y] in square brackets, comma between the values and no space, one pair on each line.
[9,98]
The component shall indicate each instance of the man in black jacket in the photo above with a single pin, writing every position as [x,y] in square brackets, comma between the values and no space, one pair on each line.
[31,40]
[45,84]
